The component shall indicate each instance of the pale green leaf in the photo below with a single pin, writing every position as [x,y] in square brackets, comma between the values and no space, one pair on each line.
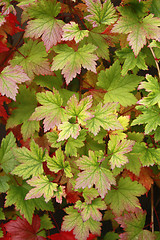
[89,194]
[68,130]
[4,186]
[29,128]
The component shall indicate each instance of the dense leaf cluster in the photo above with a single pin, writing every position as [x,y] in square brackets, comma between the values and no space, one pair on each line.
[80,100]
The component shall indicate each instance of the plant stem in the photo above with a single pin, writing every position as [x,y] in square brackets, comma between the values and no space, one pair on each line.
[152,209]
[156,61]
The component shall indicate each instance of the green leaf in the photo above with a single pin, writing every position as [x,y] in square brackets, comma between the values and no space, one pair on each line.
[52,138]
[72,144]
[117,149]
[118,88]
[71,61]
[7,159]
[91,210]
[51,110]
[111,236]
[133,224]
[124,197]
[2,216]
[151,86]
[131,61]
[103,117]
[134,164]
[79,110]
[50,82]
[138,30]
[94,173]
[80,228]
[89,194]
[43,23]
[24,107]
[3,183]
[155,8]
[57,163]
[71,31]
[68,129]
[29,128]
[149,116]
[31,161]
[100,13]
[9,78]
[147,156]
[16,195]
[46,222]
[42,186]
[33,59]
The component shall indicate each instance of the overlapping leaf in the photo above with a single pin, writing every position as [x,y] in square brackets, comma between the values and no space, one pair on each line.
[51,110]
[42,186]
[70,61]
[94,173]
[57,163]
[138,27]
[4,186]
[133,224]
[16,195]
[80,228]
[9,78]
[118,88]
[118,148]
[149,116]
[104,116]
[71,31]
[91,210]
[153,87]
[31,161]
[43,23]
[33,59]
[100,13]
[124,197]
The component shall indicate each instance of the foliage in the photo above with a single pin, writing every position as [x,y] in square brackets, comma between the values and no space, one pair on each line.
[80,102]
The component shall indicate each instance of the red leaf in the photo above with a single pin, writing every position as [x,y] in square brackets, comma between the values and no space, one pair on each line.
[21,229]
[3,47]
[68,236]
[3,112]
[6,236]
[10,25]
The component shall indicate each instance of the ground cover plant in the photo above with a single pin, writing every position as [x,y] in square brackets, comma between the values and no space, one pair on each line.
[80,103]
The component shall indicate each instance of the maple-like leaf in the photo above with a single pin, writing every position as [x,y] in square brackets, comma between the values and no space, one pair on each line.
[43,23]
[131,61]
[71,61]
[7,159]
[103,116]
[149,116]
[147,156]
[68,129]
[42,186]
[91,210]
[89,194]
[80,228]
[124,197]
[133,224]
[111,236]
[7,8]
[33,59]
[71,31]
[16,195]
[118,148]
[139,29]
[9,78]
[118,88]
[51,110]
[57,163]
[23,108]
[153,87]
[31,161]
[100,13]
[94,173]
[79,110]
[21,229]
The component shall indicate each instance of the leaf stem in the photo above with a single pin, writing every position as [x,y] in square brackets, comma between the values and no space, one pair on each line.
[156,61]
[152,209]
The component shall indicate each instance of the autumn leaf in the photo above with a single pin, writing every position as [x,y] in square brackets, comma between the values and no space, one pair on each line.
[3,112]
[21,229]
[43,23]
[9,78]
[94,173]
[68,236]
[70,61]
